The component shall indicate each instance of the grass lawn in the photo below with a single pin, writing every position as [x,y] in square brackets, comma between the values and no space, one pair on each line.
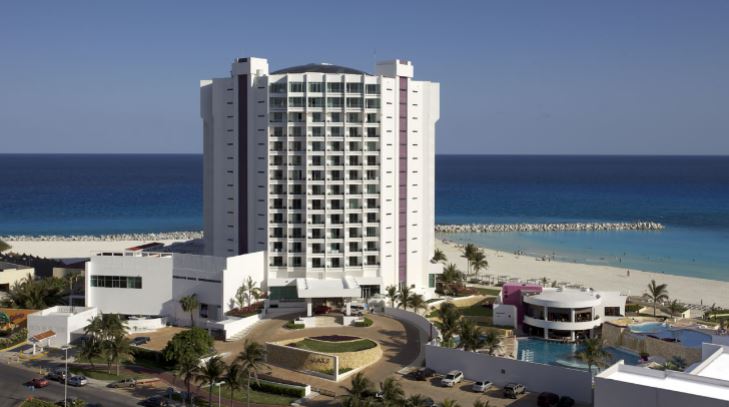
[37,403]
[327,347]
[256,397]
[100,373]
[477,310]
[487,291]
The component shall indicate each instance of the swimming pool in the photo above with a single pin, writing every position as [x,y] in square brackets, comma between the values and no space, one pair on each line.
[564,354]
[686,337]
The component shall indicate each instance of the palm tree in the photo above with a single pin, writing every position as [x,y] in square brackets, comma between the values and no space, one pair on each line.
[438,255]
[404,297]
[674,307]
[448,324]
[468,253]
[392,392]
[210,373]
[593,354]
[233,379]
[676,363]
[416,400]
[713,311]
[492,342]
[3,246]
[90,349]
[391,292]
[478,262]
[187,370]
[251,361]
[117,350]
[189,303]
[656,293]
[471,335]
[247,292]
[417,302]
[360,388]
[449,403]
[450,276]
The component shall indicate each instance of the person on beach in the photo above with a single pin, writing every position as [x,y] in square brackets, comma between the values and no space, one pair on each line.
[627,272]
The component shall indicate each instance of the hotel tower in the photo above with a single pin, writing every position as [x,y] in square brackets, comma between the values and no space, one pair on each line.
[329,170]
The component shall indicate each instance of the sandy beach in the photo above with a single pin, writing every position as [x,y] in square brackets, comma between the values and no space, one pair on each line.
[685,289]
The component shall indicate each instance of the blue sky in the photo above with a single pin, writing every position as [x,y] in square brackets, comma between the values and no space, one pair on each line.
[517,77]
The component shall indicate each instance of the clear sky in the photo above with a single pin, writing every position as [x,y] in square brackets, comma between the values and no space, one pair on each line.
[517,77]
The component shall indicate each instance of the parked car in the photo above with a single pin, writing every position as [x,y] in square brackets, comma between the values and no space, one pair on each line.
[566,401]
[481,386]
[38,382]
[322,309]
[123,383]
[547,399]
[140,340]
[58,375]
[78,381]
[155,401]
[513,390]
[422,374]
[450,379]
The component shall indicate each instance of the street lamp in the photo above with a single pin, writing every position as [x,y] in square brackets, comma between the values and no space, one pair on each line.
[220,389]
[65,379]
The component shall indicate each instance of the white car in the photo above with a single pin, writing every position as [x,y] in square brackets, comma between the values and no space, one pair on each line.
[77,381]
[481,386]
[453,377]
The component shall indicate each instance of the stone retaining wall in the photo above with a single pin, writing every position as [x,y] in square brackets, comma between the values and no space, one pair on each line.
[622,337]
[299,359]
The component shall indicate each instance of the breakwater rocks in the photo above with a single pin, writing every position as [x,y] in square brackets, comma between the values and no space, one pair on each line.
[146,237]
[549,227]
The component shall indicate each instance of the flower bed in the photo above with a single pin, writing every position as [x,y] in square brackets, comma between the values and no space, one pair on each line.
[335,338]
[317,345]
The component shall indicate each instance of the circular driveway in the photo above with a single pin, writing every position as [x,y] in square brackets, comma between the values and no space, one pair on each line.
[400,343]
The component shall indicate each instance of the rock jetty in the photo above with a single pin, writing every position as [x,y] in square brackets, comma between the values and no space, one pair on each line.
[550,227]
[137,237]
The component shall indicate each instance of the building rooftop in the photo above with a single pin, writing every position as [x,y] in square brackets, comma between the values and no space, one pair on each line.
[322,67]
[565,297]
[12,266]
[715,366]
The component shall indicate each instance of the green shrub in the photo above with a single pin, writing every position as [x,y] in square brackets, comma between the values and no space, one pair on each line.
[16,337]
[633,307]
[364,323]
[274,388]
[293,325]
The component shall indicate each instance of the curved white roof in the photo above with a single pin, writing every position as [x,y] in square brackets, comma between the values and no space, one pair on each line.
[564,298]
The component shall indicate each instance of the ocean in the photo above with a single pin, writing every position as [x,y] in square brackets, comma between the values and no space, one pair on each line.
[102,194]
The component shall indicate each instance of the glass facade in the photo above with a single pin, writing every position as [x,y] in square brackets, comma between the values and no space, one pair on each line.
[116,282]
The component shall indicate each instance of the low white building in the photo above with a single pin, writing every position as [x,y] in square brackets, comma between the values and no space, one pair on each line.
[11,273]
[66,323]
[704,385]
[569,314]
[151,284]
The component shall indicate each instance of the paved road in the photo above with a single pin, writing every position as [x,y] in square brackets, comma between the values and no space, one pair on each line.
[12,390]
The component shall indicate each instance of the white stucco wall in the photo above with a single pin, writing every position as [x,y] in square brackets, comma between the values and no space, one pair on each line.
[237,271]
[536,377]
[61,321]
[505,315]
[10,276]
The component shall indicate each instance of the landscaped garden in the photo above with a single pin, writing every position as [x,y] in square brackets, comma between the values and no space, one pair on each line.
[334,344]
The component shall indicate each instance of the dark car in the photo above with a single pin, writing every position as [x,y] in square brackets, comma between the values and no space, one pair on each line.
[155,401]
[38,382]
[58,375]
[140,340]
[423,374]
[322,309]
[565,401]
[547,399]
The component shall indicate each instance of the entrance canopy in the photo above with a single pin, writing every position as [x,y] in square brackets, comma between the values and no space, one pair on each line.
[327,288]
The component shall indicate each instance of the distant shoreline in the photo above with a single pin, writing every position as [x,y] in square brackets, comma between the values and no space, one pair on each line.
[548,227]
[118,237]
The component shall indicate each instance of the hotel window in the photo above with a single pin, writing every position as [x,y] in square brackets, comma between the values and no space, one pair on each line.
[278,103]
[277,132]
[373,103]
[317,117]
[336,131]
[297,131]
[372,132]
[317,131]
[612,311]
[203,310]
[354,102]
[334,102]
[372,89]
[354,87]
[316,102]
[354,117]
[334,87]
[335,117]
[296,86]
[277,117]
[296,117]
[116,282]
[316,87]
[372,118]
[296,102]
[278,87]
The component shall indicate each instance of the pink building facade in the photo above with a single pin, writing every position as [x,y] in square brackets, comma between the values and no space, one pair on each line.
[512,293]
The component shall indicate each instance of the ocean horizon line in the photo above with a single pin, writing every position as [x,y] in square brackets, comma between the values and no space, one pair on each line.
[637,155]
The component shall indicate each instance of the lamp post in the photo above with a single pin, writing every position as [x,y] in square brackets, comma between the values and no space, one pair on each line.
[220,390]
[65,379]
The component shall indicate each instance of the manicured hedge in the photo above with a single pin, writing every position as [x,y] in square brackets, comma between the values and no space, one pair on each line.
[293,325]
[633,307]
[274,388]
[15,338]
[365,323]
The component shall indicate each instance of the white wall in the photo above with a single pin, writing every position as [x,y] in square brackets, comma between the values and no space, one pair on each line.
[536,377]
[505,315]
[234,326]
[419,321]
[10,276]
[151,299]
[61,321]
[237,271]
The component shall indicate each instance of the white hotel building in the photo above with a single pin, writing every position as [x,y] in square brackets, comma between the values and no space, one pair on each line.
[318,183]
